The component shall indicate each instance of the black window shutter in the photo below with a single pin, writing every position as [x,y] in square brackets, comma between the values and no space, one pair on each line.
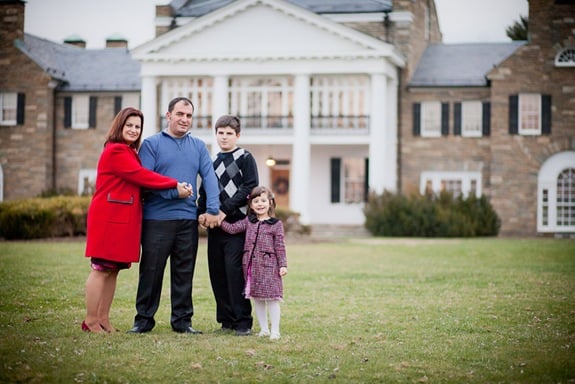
[416,119]
[366,182]
[513,114]
[457,119]
[117,104]
[67,111]
[444,119]
[92,112]
[546,114]
[20,108]
[486,119]
[335,179]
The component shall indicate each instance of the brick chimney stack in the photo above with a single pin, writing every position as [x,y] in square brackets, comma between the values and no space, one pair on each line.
[116,41]
[76,41]
[11,23]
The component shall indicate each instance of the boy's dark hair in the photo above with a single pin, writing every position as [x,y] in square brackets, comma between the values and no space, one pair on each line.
[229,121]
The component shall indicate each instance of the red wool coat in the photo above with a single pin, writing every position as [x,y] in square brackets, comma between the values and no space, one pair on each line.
[115,212]
[264,255]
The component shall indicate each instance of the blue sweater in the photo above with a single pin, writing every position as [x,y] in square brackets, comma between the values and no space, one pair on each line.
[183,159]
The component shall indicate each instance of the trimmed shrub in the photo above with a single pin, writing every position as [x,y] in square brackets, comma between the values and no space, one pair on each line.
[59,216]
[439,215]
[44,217]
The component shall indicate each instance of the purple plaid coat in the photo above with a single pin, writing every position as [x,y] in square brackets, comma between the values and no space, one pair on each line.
[264,255]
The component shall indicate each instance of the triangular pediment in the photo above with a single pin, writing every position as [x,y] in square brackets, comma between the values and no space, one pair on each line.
[261,29]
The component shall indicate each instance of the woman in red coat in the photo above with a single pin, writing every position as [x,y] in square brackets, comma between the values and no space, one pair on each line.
[115,214]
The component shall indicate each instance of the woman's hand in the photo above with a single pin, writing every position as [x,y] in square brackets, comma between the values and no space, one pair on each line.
[283,271]
[185,190]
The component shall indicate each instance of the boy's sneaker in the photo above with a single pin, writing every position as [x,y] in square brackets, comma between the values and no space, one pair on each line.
[264,333]
[274,336]
[243,332]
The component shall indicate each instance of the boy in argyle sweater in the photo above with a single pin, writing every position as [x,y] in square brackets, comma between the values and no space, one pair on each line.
[237,174]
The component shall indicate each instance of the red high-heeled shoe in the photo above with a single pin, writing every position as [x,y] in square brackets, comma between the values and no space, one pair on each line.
[85,327]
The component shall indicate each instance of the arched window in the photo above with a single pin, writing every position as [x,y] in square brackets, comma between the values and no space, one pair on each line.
[556,194]
[566,198]
[565,58]
[1,183]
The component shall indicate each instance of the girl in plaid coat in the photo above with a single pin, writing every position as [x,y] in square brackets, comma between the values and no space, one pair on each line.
[264,259]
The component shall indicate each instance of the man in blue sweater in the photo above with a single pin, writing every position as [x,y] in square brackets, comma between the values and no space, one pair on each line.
[170,227]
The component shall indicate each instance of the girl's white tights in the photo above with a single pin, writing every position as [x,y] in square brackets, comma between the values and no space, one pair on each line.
[273,307]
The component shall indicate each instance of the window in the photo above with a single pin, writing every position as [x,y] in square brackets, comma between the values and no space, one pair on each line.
[12,108]
[339,103]
[458,183]
[556,194]
[80,111]
[262,102]
[349,180]
[472,119]
[565,58]
[126,100]
[8,111]
[529,114]
[430,119]
[471,114]
[566,198]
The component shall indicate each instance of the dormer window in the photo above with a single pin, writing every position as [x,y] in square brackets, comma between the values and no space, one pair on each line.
[565,58]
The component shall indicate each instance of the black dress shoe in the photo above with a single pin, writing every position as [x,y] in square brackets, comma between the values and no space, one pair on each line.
[189,330]
[243,332]
[137,329]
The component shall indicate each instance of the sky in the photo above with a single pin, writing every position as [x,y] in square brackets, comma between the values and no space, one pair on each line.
[461,21]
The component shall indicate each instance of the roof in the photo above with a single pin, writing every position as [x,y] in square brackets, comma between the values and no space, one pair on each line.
[197,8]
[79,69]
[455,65]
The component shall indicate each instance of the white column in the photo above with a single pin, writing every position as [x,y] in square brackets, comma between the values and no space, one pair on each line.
[391,159]
[149,103]
[300,168]
[220,100]
[378,145]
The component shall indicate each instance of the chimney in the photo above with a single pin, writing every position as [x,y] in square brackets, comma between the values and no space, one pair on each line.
[11,21]
[116,41]
[164,19]
[76,41]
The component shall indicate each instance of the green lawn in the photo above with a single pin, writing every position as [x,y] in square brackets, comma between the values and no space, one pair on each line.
[364,311]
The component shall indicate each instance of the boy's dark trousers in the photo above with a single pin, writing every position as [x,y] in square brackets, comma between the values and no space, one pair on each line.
[225,252]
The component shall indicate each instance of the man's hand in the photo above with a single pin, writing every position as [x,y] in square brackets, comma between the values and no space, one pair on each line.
[210,221]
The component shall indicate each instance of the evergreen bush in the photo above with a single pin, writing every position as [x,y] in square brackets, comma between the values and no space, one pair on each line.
[44,217]
[430,215]
[64,215]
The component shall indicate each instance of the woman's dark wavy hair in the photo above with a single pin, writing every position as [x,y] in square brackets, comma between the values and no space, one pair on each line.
[115,132]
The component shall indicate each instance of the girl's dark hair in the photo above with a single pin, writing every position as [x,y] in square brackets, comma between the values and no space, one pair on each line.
[256,192]
[229,121]
[115,132]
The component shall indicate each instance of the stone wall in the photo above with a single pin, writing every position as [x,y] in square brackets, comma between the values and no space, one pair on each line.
[516,158]
[25,150]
